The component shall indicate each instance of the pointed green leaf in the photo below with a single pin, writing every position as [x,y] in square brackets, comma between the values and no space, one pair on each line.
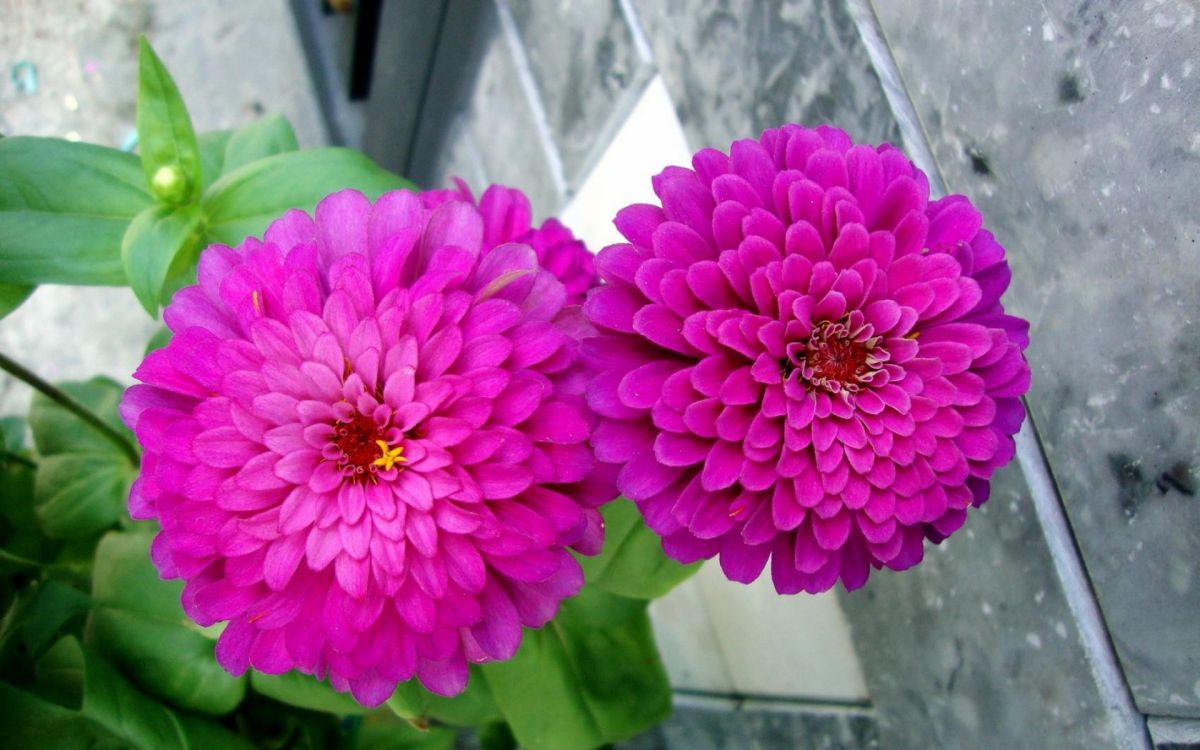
[245,201]
[63,210]
[160,243]
[632,563]
[165,136]
[269,136]
[212,155]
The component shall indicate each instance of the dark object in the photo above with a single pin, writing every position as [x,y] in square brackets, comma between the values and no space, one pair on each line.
[390,74]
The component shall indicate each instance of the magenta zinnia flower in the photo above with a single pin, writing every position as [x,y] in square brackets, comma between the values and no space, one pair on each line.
[508,217]
[804,359]
[367,445]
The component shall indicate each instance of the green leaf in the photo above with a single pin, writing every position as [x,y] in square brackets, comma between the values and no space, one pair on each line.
[472,707]
[20,536]
[35,619]
[56,430]
[497,736]
[632,563]
[111,701]
[161,242]
[400,736]
[31,722]
[83,478]
[304,691]
[578,683]
[267,137]
[80,494]
[245,201]
[60,670]
[212,155]
[161,338]
[126,578]
[410,701]
[12,434]
[204,734]
[139,625]
[63,210]
[11,297]
[165,136]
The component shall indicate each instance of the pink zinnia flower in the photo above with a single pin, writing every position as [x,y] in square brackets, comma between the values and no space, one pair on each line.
[803,359]
[367,445]
[508,217]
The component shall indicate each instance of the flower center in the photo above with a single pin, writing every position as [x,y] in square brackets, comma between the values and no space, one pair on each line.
[364,447]
[834,358]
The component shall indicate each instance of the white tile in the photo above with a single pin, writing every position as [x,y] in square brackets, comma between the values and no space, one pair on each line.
[786,646]
[649,140]
[687,640]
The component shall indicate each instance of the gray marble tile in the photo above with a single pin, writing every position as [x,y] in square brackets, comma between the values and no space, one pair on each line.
[709,724]
[735,67]
[500,120]
[588,68]
[976,647]
[1174,734]
[1073,126]
[459,156]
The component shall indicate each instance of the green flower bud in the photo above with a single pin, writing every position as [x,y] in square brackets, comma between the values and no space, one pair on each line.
[169,184]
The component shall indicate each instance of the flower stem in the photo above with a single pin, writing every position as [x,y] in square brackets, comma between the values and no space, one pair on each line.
[61,398]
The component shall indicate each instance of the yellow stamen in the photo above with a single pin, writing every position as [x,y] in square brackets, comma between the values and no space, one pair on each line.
[390,456]
[256,300]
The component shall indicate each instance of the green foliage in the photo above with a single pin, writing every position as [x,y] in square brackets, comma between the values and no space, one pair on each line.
[63,210]
[160,243]
[170,154]
[590,677]
[123,666]
[75,213]
[139,625]
[33,722]
[11,297]
[33,622]
[267,137]
[303,691]
[244,202]
[21,542]
[632,563]
[473,707]
[161,338]
[382,735]
[83,478]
